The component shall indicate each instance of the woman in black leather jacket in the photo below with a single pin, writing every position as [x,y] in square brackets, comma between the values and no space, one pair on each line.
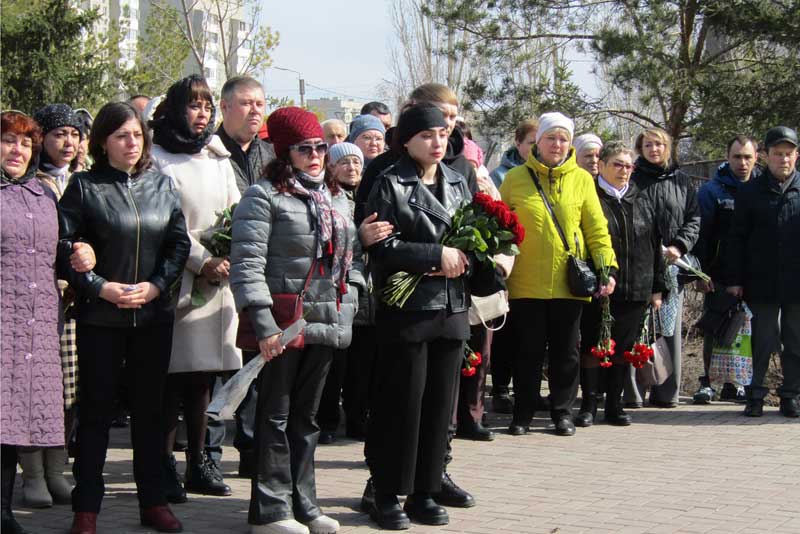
[132,217]
[421,345]
[673,198]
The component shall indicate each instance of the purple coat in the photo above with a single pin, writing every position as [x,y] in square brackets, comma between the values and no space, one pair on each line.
[32,411]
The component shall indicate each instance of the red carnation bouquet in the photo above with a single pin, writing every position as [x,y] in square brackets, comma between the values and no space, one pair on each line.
[642,351]
[472,360]
[605,346]
[484,227]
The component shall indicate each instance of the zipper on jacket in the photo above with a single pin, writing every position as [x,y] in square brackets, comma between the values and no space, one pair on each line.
[627,248]
[129,185]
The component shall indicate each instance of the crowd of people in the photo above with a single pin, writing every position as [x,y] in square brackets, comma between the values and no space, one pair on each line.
[110,289]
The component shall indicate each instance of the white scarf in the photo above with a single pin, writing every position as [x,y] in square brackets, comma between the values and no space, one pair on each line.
[611,190]
[60,174]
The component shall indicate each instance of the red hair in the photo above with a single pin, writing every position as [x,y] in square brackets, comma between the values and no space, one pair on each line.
[18,123]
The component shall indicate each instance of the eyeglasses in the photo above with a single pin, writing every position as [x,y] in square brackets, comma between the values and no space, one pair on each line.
[371,139]
[620,165]
[307,150]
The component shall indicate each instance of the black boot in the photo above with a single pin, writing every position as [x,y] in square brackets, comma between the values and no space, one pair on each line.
[590,376]
[423,509]
[615,415]
[9,473]
[173,489]
[384,509]
[200,477]
[453,496]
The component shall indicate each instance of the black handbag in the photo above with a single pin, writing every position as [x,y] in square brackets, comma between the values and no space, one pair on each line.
[581,276]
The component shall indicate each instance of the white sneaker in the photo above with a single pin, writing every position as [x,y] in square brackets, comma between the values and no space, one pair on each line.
[323,525]
[287,526]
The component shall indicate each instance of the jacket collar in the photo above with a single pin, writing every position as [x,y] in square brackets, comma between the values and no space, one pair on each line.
[771,184]
[725,176]
[628,197]
[421,198]
[511,158]
[455,146]
[653,171]
[217,147]
[28,180]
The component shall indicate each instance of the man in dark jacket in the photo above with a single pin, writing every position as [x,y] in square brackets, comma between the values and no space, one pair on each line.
[716,201]
[242,105]
[764,268]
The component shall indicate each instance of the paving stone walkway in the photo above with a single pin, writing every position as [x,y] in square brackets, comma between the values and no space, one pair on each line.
[692,469]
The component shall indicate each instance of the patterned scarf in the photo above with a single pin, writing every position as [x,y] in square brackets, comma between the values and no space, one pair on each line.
[332,235]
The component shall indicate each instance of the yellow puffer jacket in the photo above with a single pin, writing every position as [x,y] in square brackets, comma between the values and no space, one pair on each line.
[540,271]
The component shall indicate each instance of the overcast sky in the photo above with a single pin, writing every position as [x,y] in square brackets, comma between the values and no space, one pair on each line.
[341,48]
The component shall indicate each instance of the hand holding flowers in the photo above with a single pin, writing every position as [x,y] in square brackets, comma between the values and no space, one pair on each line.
[484,227]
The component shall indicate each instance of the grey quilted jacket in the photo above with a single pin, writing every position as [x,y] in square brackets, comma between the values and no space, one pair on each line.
[272,249]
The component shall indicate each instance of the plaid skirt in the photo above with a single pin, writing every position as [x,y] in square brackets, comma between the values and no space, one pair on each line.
[69,363]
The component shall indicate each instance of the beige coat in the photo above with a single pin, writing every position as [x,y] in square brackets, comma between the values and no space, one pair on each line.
[204,337]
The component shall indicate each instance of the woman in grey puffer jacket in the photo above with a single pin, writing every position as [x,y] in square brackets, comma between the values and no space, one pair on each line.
[288,226]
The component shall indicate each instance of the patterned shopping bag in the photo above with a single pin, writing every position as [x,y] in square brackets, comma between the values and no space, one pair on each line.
[734,364]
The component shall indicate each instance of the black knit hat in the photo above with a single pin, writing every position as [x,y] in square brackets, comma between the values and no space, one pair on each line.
[55,116]
[418,118]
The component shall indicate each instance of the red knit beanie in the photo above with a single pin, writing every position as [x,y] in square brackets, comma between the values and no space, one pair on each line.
[289,126]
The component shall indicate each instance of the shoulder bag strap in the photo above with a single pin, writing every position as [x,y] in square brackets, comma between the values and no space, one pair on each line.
[308,278]
[549,208]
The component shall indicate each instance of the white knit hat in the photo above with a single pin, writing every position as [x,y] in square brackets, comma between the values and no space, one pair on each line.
[586,141]
[340,150]
[548,121]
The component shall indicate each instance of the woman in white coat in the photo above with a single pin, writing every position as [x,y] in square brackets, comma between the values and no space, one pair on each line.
[204,340]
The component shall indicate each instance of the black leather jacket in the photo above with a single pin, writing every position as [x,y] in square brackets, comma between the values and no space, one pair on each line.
[136,227]
[420,221]
[372,174]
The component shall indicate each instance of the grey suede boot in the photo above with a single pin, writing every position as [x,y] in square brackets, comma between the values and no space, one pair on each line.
[59,487]
[34,487]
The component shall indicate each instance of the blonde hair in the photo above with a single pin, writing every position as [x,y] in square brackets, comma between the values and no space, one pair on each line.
[659,134]
[432,93]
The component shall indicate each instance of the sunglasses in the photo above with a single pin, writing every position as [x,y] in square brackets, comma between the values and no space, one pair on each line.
[626,166]
[307,150]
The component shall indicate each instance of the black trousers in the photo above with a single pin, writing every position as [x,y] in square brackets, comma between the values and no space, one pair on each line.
[502,364]
[545,327]
[329,414]
[145,352]
[628,319]
[359,378]
[415,384]
[769,332]
[8,460]
[290,387]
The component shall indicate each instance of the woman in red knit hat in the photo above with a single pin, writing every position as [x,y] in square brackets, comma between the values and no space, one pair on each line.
[292,233]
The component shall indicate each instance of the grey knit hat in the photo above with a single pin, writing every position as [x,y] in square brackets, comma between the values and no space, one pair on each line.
[363,123]
[55,116]
[340,150]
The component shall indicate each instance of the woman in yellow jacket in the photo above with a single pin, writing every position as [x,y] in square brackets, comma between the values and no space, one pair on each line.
[545,315]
